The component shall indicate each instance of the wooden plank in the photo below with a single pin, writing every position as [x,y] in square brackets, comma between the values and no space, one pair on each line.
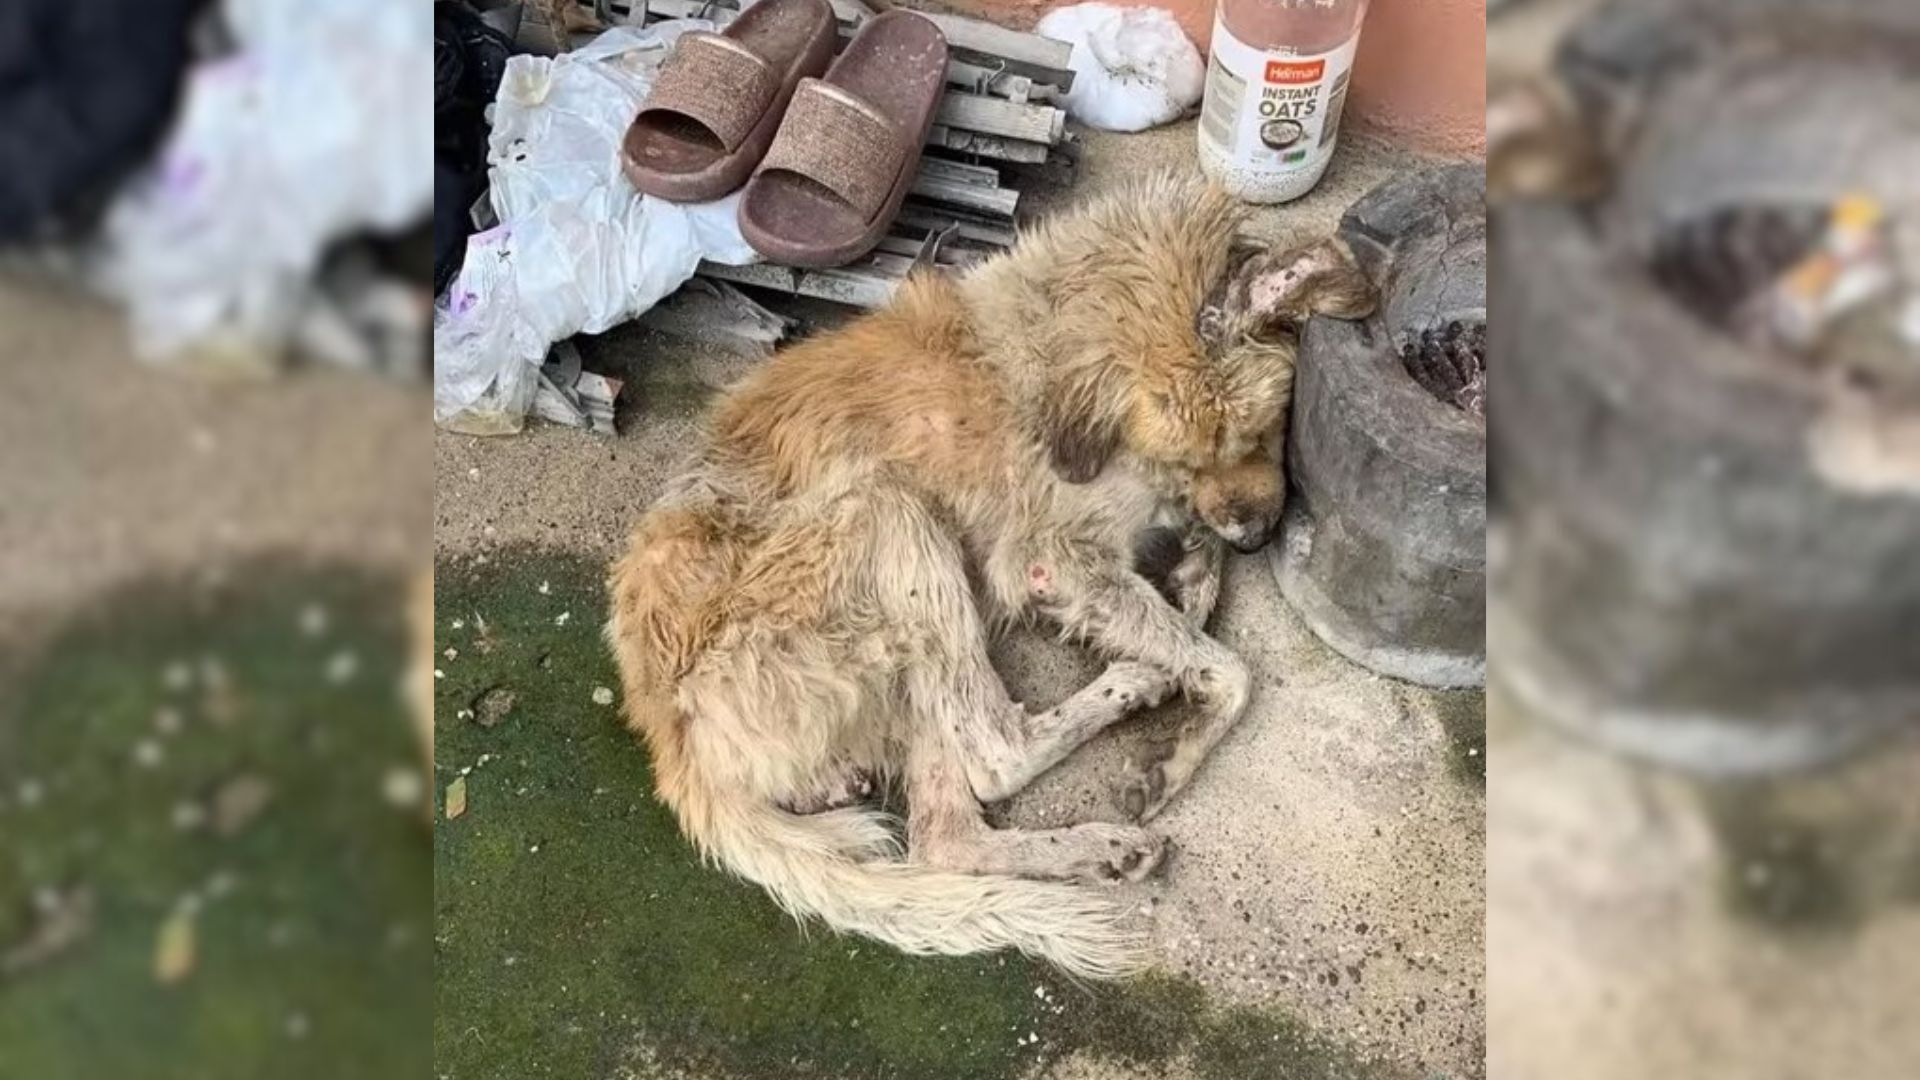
[977,45]
[950,255]
[993,116]
[995,81]
[848,285]
[1021,50]
[934,219]
[996,202]
[987,146]
[960,172]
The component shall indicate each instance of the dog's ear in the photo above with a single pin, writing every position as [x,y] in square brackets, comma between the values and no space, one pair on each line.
[1080,429]
[1339,288]
[1322,278]
[1226,301]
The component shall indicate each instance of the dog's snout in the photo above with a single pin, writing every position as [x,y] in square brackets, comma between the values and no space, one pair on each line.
[1251,542]
[1246,537]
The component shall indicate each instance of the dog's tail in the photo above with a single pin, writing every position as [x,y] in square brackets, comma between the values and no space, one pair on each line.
[839,865]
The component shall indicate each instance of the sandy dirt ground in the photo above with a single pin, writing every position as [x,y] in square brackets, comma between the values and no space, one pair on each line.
[114,471]
[1329,860]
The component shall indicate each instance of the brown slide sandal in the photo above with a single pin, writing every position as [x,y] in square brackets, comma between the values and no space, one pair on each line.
[718,99]
[849,147]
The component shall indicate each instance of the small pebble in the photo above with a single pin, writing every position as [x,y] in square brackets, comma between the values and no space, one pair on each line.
[147,754]
[402,787]
[188,816]
[342,666]
[602,696]
[313,620]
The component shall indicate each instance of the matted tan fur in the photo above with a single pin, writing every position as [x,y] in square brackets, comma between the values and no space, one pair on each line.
[807,610]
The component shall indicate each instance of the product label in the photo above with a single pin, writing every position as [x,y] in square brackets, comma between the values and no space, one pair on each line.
[1273,111]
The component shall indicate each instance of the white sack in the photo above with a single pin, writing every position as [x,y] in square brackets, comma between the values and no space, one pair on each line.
[1133,68]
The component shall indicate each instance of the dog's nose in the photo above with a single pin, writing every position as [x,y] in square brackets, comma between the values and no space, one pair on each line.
[1247,544]
[1246,538]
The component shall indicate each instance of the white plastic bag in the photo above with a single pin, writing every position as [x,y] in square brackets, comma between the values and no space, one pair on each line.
[311,130]
[578,249]
[1133,68]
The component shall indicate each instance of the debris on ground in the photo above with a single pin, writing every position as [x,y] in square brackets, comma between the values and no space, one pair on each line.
[1133,67]
[715,312]
[238,801]
[493,705]
[573,397]
[602,695]
[62,919]
[456,797]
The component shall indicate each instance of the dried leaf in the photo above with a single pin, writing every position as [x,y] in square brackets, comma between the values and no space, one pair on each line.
[456,798]
[173,954]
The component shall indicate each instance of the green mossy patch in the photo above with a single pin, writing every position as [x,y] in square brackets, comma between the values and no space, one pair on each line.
[578,932]
[313,922]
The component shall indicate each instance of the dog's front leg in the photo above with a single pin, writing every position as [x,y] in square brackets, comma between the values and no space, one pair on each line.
[1120,613]
[1183,565]
[1196,578]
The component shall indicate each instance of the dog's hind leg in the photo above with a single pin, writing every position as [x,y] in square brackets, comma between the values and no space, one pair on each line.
[1121,614]
[945,827]
[921,582]
[1002,761]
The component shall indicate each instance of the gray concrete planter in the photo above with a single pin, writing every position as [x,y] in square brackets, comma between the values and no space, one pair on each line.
[1383,548]
[1689,575]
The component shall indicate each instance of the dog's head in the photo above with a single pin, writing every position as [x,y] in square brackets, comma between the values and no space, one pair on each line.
[1242,502]
[1205,403]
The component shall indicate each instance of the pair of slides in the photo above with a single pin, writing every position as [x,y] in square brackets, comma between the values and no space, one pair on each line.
[830,157]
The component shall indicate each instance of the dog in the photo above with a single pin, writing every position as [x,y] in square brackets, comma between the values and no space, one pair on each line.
[807,609]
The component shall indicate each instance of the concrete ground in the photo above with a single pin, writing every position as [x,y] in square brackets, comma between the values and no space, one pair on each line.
[1329,860]
[116,472]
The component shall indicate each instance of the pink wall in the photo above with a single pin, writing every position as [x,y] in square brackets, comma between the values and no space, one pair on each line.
[1421,76]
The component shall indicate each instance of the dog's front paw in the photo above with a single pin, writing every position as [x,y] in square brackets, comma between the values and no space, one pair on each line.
[1132,855]
[1144,793]
[1138,685]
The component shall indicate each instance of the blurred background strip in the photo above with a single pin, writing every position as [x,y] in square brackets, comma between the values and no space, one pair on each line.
[1704,580]
[215,518]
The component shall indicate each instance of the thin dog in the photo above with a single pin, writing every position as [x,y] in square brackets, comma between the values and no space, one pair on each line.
[809,607]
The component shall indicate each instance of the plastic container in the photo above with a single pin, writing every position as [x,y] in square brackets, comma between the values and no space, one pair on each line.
[1277,78]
